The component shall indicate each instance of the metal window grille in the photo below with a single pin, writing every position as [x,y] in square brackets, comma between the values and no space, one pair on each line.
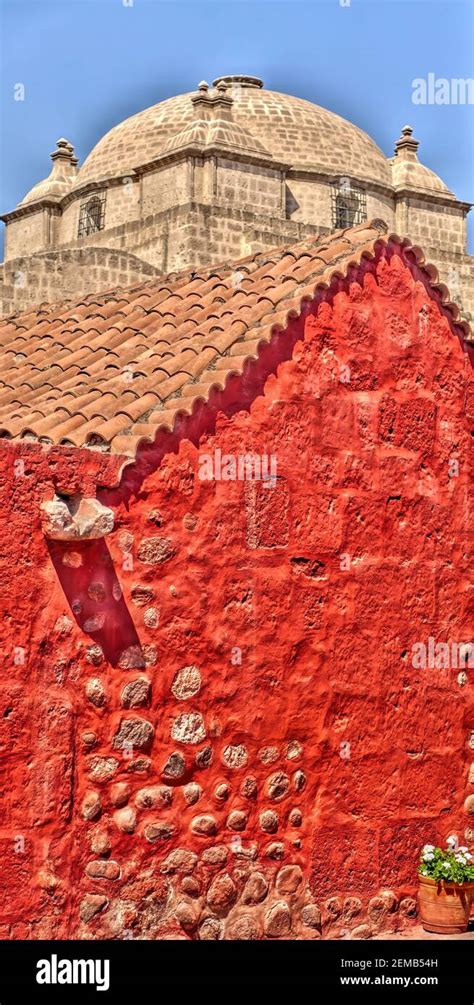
[349,204]
[92,215]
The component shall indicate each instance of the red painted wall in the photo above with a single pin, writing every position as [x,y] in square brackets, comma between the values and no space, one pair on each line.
[323,759]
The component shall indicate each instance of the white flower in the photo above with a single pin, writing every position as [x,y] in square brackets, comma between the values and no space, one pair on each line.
[428,856]
[463,849]
[452,840]
[468,855]
[428,847]
[461,859]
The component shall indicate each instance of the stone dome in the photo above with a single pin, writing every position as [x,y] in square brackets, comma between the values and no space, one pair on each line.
[407,170]
[408,174]
[293,130]
[60,180]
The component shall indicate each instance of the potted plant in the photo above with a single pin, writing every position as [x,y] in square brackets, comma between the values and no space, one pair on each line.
[446,887]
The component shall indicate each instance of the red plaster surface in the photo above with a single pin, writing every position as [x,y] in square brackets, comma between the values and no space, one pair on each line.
[323,583]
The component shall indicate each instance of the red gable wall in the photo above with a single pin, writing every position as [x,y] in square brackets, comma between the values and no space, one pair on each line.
[299,605]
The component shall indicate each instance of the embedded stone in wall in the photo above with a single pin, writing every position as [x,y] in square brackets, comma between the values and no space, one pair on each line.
[205,825]
[235,755]
[222,792]
[100,843]
[278,786]
[103,869]
[120,793]
[408,907]
[187,683]
[299,781]
[155,550]
[217,855]
[221,894]
[133,733]
[153,796]
[126,819]
[142,595]
[95,692]
[136,693]
[138,766]
[243,927]
[151,617]
[187,914]
[91,806]
[255,889]
[289,879]
[389,900]
[277,921]
[192,793]
[102,769]
[351,907]
[211,929]
[188,728]
[84,519]
[158,831]
[179,860]
[275,850]
[311,916]
[269,821]
[249,787]
[125,540]
[204,757]
[294,750]
[362,932]
[175,766]
[95,655]
[237,820]
[132,658]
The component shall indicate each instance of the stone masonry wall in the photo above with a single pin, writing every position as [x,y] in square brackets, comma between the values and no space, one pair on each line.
[457,272]
[63,275]
[164,189]
[29,234]
[434,225]
[214,723]
[246,187]
[121,206]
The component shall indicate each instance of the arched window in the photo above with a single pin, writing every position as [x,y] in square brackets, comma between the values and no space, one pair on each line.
[348,204]
[92,215]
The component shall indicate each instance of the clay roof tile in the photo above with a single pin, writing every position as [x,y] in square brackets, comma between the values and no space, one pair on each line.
[113,369]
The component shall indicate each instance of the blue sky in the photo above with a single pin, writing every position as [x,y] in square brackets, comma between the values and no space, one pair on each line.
[88,64]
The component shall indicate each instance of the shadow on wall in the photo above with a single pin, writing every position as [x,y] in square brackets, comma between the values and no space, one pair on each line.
[94,594]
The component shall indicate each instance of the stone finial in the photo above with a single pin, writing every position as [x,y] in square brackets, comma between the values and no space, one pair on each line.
[64,159]
[406,146]
[64,151]
[209,105]
[202,102]
[74,159]
[222,101]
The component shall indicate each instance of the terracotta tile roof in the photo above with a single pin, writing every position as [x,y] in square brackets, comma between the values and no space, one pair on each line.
[117,367]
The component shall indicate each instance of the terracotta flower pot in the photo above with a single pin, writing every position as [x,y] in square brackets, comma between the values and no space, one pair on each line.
[445,906]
